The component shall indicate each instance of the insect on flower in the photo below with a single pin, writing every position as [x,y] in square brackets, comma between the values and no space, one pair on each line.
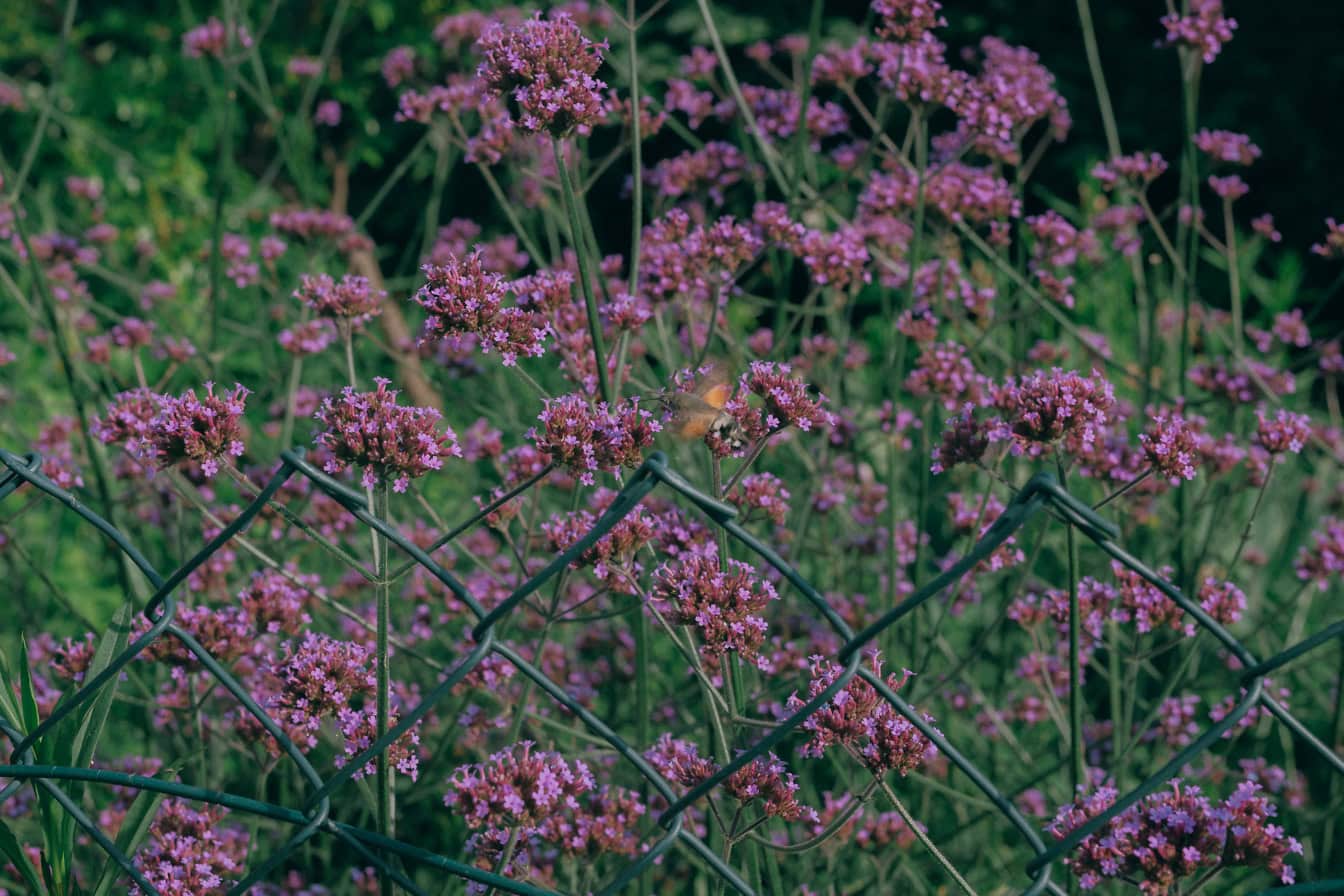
[698,411]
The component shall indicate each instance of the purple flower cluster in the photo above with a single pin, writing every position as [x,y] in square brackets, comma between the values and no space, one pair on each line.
[765,778]
[392,442]
[1047,408]
[1175,834]
[351,300]
[1136,170]
[201,430]
[1204,29]
[189,853]
[1172,444]
[546,68]
[1286,432]
[587,439]
[1322,562]
[859,719]
[724,604]
[464,298]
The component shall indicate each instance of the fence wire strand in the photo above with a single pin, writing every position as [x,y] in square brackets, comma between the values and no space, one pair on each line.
[1042,494]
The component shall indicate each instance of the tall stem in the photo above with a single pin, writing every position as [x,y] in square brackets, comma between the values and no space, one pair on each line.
[383,589]
[1233,277]
[1078,769]
[585,279]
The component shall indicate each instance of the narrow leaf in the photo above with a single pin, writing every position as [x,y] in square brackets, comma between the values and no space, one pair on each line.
[9,845]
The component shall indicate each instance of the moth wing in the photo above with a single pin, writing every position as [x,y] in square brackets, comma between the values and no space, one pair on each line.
[691,415]
[715,386]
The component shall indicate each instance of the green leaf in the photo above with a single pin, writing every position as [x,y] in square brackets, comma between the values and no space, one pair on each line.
[8,705]
[28,719]
[134,829]
[110,646]
[9,845]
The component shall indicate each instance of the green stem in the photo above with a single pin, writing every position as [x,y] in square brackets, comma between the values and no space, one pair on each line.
[382,587]
[585,278]
[1098,78]
[1078,769]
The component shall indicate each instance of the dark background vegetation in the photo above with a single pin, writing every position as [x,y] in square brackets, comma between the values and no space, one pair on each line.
[1280,80]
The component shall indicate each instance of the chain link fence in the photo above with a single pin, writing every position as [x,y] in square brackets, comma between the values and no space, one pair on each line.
[312,816]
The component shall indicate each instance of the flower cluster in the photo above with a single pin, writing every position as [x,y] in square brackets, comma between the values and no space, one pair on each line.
[588,439]
[858,718]
[393,443]
[351,300]
[546,67]
[187,428]
[1047,408]
[1172,444]
[765,778]
[464,298]
[723,602]
[1204,29]
[1175,834]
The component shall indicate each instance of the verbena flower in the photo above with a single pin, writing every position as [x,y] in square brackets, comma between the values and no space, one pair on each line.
[1173,835]
[859,718]
[391,442]
[517,786]
[1137,170]
[1227,146]
[212,39]
[351,299]
[765,778]
[907,20]
[1204,29]
[724,605]
[1047,408]
[308,338]
[1171,444]
[546,68]
[1322,562]
[1286,432]
[587,439]
[203,430]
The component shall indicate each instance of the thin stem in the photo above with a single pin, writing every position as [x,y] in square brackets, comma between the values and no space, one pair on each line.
[1246,532]
[1122,489]
[1098,78]
[1233,278]
[585,278]
[636,154]
[383,590]
[1078,769]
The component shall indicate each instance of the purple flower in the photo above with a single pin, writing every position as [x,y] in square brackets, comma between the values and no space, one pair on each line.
[518,786]
[589,439]
[1136,169]
[352,300]
[1286,432]
[203,430]
[1049,407]
[391,442]
[1205,29]
[545,67]
[964,441]
[1229,188]
[308,338]
[907,20]
[398,65]
[212,39]
[859,718]
[1227,146]
[787,401]
[1333,244]
[1322,562]
[190,853]
[724,604]
[1171,443]
[328,113]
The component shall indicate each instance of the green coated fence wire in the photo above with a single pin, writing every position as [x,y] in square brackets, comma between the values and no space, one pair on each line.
[311,818]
